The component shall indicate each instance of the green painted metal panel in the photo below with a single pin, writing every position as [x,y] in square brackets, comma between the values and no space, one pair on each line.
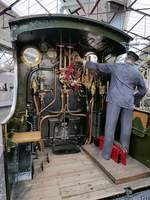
[140,141]
[66,21]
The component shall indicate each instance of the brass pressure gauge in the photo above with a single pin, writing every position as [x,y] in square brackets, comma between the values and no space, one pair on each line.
[52,54]
[31,56]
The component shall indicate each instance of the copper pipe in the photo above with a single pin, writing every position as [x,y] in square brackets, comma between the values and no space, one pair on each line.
[37,111]
[41,122]
[60,54]
[91,121]
[55,115]
[53,101]
[47,117]
[57,112]
[71,112]
[62,101]
[69,56]
[62,110]
[60,58]
[36,105]
[38,121]
[65,57]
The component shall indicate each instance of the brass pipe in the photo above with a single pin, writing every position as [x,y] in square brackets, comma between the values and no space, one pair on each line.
[36,105]
[47,117]
[62,110]
[41,122]
[57,112]
[65,61]
[62,101]
[69,55]
[37,111]
[53,101]
[38,121]
[71,112]
[91,121]
[55,115]
[60,55]
[60,58]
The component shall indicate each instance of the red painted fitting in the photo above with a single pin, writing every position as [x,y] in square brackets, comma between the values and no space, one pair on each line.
[101,142]
[118,153]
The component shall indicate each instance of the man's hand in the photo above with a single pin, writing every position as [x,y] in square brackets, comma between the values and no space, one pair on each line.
[90,65]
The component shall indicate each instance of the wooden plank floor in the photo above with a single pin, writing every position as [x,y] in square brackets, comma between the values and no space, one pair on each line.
[72,177]
[118,173]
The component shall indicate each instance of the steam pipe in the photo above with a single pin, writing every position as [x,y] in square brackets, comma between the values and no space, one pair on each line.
[52,116]
[62,110]
[35,101]
[64,62]
[60,58]
[37,110]
[91,121]
[47,117]
[71,112]
[62,101]
[36,104]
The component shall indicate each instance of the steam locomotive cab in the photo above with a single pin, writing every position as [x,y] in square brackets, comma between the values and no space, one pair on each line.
[59,104]
[56,94]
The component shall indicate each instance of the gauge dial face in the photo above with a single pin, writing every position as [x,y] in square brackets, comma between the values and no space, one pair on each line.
[51,53]
[31,56]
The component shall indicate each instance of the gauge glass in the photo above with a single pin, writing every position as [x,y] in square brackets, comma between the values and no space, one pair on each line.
[31,56]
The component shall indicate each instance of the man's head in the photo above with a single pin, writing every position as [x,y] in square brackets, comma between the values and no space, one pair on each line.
[131,57]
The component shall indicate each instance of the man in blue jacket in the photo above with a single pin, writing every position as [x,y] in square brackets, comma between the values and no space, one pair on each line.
[125,78]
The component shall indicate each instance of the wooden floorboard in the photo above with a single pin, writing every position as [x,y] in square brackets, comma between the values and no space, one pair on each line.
[118,173]
[72,177]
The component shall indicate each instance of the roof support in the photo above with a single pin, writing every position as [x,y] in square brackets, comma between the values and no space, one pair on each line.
[139,11]
[140,50]
[115,14]
[145,38]
[75,11]
[10,15]
[80,4]
[8,8]
[145,47]
[96,4]
[145,52]
[130,9]
[121,11]
[132,3]
[148,36]
[42,6]
[136,23]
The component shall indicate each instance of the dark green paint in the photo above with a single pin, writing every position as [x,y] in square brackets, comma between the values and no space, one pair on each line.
[140,141]
[64,21]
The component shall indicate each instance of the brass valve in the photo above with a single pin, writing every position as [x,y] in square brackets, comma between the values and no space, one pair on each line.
[102,89]
[93,89]
[34,86]
[62,78]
